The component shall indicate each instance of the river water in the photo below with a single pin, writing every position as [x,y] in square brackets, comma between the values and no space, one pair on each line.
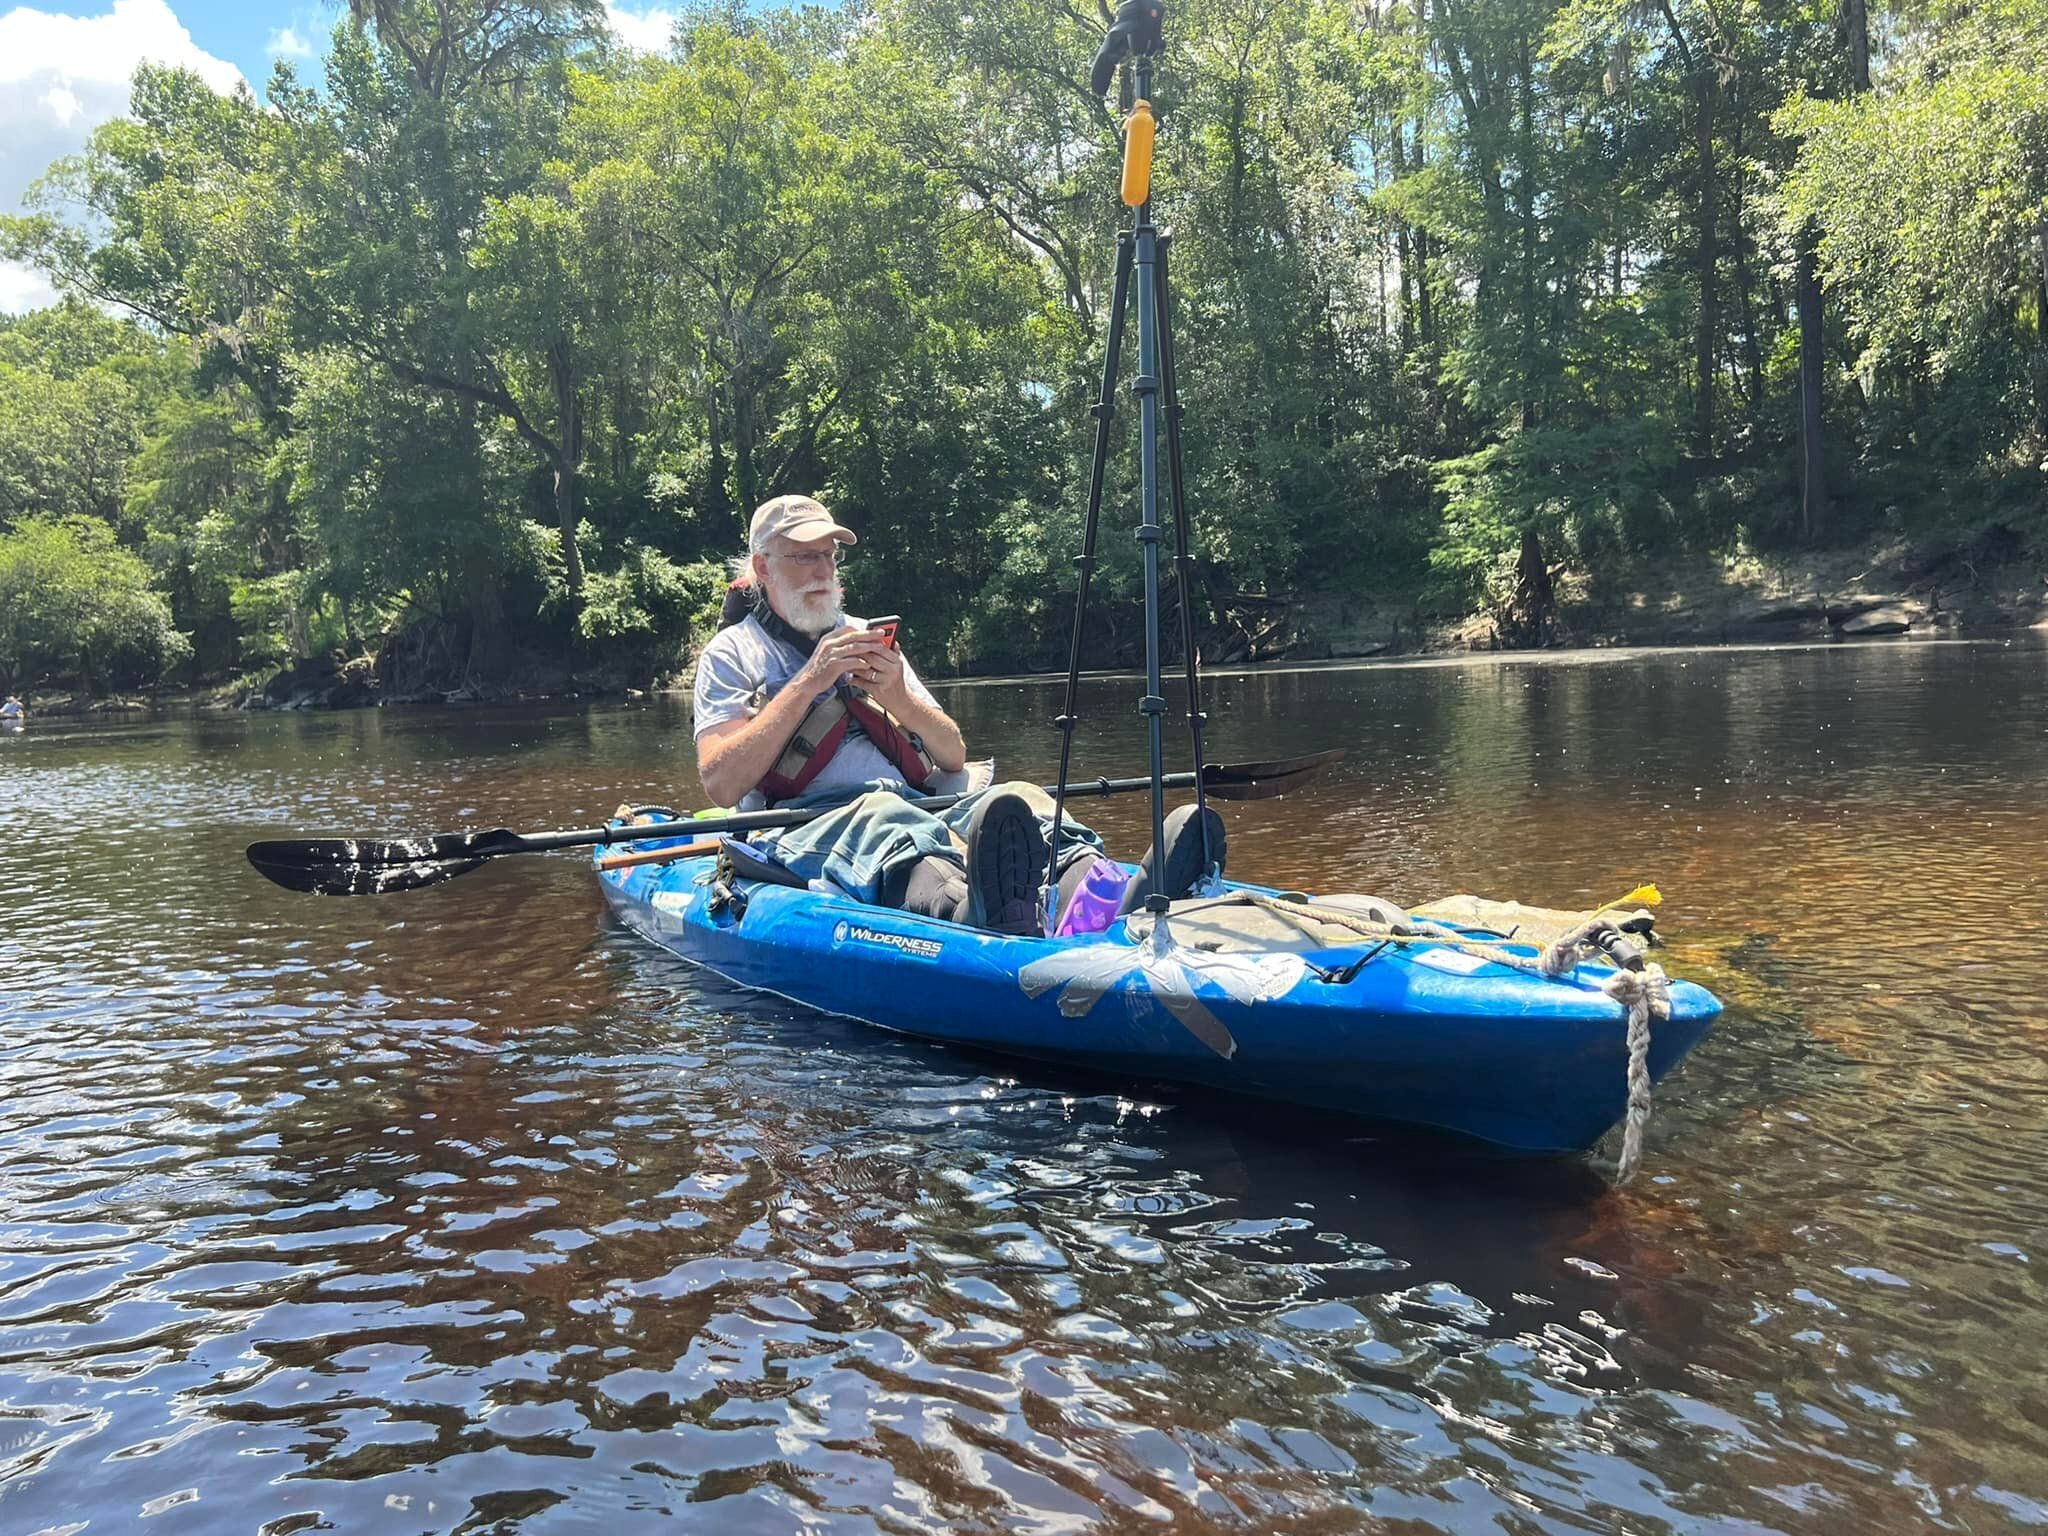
[465,1210]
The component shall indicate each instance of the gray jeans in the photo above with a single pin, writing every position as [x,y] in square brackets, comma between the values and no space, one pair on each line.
[874,831]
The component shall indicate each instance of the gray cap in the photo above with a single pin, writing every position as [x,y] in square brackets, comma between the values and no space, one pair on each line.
[795,517]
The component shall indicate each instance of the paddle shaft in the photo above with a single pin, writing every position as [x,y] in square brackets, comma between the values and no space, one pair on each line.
[754,821]
[344,866]
[657,855]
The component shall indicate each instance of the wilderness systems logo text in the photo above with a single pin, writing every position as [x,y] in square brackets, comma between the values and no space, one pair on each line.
[909,944]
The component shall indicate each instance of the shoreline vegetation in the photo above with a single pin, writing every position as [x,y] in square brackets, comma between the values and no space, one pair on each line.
[1851,596]
[451,366]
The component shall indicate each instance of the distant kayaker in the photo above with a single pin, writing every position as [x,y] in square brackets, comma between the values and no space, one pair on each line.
[12,709]
[799,704]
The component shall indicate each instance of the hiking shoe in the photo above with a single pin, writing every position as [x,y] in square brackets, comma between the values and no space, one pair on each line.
[1006,858]
[1185,861]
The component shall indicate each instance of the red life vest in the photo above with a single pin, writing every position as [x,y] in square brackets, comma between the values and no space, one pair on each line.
[827,724]
[825,728]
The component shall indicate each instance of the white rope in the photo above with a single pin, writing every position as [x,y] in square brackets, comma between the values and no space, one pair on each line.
[1645,993]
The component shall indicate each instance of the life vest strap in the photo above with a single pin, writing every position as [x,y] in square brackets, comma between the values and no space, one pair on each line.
[827,724]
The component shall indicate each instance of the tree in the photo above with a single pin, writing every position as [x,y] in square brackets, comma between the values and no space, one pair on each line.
[74,604]
[446,110]
[720,174]
[76,387]
[474,354]
[1929,193]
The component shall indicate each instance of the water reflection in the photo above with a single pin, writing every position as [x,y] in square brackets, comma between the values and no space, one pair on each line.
[465,1210]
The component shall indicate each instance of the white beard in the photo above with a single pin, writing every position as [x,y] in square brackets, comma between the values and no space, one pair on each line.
[814,615]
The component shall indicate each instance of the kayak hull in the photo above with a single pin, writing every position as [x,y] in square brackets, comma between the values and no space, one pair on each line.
[1418,1035]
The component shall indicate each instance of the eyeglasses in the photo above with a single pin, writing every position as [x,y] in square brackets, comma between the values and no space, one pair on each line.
[816,559]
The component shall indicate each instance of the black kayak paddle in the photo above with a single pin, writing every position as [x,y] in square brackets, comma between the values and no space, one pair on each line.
[361,866]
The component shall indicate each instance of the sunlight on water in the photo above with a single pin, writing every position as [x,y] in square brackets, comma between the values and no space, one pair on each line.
[467,1210]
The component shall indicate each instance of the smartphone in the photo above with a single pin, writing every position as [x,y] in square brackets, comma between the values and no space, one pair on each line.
[886,626]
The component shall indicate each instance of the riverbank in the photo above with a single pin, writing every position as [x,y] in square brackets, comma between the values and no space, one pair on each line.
[1861,593]
[1891,590]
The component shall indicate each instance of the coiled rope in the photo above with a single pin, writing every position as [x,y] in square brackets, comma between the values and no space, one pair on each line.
[1639,985]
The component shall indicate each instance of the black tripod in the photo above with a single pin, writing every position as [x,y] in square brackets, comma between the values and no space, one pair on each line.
[1137,35]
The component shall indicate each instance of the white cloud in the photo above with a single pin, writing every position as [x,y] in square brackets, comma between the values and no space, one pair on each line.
[285,43]
[23,288]
[61,77]
[648,30]
[63,105]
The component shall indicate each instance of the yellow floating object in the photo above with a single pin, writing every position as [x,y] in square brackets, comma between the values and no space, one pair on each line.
[1138,135]
[1641,896]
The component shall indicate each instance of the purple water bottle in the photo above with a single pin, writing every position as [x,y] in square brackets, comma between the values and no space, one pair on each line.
[1094,905]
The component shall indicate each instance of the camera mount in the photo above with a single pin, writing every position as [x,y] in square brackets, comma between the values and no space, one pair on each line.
[1139,31]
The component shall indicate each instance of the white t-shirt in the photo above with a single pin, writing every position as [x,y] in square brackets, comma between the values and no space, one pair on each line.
[744,667]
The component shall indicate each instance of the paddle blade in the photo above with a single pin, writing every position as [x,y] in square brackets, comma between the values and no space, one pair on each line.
[1308,762]
[351,866]
[1265,780]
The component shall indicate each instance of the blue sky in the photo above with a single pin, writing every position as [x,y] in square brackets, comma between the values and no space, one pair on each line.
[248,36]
[253,36]
[65,66]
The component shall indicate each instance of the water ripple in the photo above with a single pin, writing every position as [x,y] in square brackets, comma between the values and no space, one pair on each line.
[468,1211]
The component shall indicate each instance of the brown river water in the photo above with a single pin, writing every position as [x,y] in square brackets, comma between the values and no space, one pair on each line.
[466,1210]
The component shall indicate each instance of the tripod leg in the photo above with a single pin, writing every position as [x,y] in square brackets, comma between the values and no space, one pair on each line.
[1184,562]
[1105,415]
[1146,386]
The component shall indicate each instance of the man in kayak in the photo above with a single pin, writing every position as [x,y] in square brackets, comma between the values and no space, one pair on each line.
[12,710]
[799,704]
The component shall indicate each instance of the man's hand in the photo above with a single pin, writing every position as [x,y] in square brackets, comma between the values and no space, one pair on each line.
[844,653]
[881,677]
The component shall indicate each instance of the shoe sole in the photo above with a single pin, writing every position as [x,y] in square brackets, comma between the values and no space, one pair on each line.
[1184,861]
[1007,862]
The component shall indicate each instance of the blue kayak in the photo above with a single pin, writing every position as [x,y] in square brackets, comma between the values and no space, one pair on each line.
[1417,1034]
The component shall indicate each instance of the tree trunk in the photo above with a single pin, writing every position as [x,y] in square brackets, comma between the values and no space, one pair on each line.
[717,487]
[2041,330]
[1425,317]
[569,449]
[482,581]
[1234,135]
[1752,346]
[1404,248]
[567,520]
[746,473]
[483,597]
[1528,620]
[1707,337]
[1813,503]
[1527,178]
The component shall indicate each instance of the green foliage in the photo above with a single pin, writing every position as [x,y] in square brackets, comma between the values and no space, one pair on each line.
[483,349]
[76,390]
[1932,191]
[389,488]
[1931,197]
[74,604]
[1595,493]
[646,594]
